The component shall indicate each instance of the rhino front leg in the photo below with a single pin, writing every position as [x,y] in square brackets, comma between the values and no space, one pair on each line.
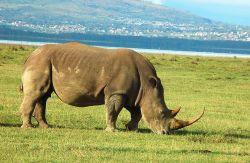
[114,106]
[40,111]
[135,119]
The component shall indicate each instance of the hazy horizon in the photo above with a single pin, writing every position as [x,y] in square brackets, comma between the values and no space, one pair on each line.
[227,11]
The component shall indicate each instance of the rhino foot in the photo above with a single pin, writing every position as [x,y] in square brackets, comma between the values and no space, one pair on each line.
[43,125]
[108,129]
[27,126]
[131,126]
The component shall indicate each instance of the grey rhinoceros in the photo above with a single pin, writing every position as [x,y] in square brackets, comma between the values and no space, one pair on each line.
[82,75]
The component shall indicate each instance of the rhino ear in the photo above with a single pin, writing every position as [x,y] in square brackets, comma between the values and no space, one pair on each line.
[153,81]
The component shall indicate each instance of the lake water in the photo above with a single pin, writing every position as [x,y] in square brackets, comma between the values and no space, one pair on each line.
[156,51]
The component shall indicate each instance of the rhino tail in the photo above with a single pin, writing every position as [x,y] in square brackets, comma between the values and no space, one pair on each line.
[21,87]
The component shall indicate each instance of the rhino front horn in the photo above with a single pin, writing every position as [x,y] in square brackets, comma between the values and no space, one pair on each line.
[178,124]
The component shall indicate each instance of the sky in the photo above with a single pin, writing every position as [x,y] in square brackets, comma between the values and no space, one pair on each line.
[228,11]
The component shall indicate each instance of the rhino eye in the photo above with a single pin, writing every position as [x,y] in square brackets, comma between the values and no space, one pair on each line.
[153,81]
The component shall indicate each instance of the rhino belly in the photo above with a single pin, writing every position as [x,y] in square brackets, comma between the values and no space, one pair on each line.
[74,91]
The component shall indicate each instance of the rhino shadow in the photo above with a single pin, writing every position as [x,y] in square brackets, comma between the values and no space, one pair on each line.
[147,131]
[9,125]
[237,136]
[125,130]
[35,126]
[206,151]
[206,133]
[186,132]
[57,126]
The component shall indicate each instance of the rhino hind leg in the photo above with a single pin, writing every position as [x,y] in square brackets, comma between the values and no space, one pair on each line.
[39,112]
[35,86]
[114,106]
[135,114]
[26,110]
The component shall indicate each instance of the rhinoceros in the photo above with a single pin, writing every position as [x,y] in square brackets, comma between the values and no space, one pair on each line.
[82,75]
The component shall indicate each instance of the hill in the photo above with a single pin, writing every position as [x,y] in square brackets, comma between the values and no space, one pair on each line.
[120,17]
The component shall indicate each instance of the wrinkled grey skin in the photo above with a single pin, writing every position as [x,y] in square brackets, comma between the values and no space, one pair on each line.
[82,75]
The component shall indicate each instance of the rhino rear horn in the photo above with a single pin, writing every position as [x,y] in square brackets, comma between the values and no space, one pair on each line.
[175,112]
[178,124]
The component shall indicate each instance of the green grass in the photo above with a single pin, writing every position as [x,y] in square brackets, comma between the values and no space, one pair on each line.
[221,85]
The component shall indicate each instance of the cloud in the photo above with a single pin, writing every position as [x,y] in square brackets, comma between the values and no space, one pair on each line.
[221,2]
[157,1]
[209,2]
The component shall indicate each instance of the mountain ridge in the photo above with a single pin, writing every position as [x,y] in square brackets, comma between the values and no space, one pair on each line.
[120,17]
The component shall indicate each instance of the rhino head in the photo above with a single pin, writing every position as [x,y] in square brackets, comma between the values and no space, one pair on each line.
[156,114]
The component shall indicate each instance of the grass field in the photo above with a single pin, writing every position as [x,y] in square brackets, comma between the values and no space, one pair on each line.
[221,85]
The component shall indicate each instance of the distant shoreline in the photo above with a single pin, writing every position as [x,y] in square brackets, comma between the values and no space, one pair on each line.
[155,51]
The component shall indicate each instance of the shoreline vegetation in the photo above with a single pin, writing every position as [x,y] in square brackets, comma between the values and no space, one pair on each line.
[220,84]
